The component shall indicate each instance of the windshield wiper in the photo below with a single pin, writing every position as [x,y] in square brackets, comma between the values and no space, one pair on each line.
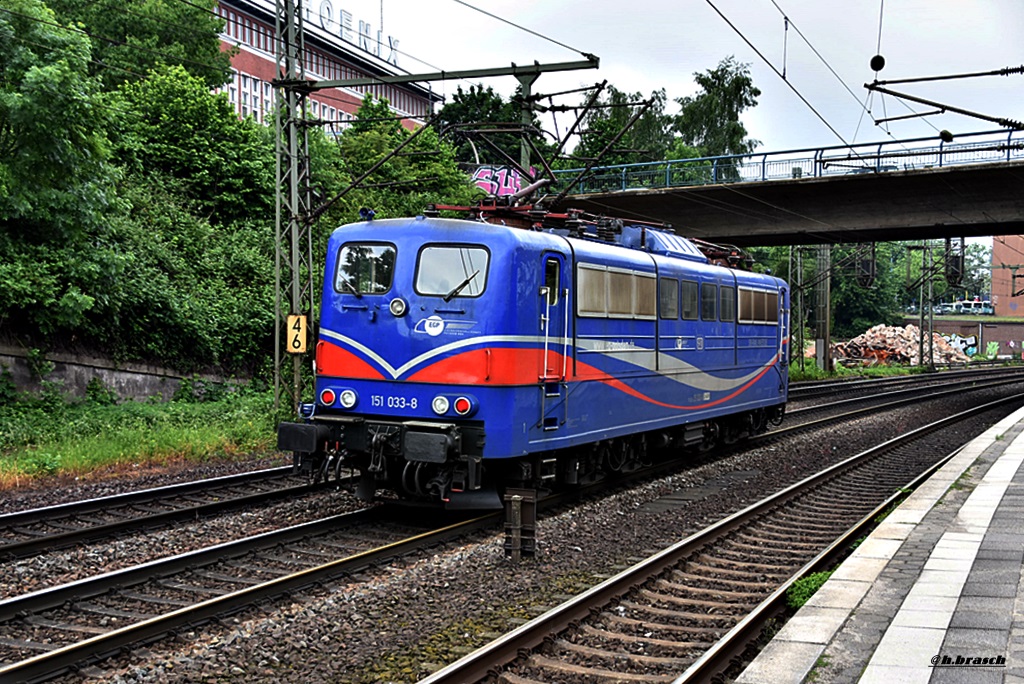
[352,288]
[460,286]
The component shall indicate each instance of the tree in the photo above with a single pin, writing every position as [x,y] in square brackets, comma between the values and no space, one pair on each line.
[710,120]
[856,307]
[424,172]
[55,177]
[978,270]
[132,37]
[649,138]
[173,125]
[483,108]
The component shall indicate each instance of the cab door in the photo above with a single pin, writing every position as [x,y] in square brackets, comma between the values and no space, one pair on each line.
[554,310]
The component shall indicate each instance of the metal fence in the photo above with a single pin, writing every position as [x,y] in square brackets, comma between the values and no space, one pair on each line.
[896,155]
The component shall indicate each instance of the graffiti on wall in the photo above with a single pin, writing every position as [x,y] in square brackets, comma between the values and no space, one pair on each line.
[968,345]
[499,181]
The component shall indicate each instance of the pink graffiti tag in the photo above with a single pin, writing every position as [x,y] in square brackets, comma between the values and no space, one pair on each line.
[498,181]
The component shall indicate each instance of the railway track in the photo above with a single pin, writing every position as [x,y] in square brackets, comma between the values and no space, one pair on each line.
[42,530]
[888,396]
[53,631]
[812,390]
[27,533]
[688,612]
[162,595]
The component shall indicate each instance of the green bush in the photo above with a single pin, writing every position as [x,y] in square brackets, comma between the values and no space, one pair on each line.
[98,393]
[39,438]
[8,390]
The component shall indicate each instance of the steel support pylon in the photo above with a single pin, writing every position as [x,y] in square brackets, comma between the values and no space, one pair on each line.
[293,281]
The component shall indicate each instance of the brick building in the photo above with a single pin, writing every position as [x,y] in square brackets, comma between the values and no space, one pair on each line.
[1007,254]
[337,46]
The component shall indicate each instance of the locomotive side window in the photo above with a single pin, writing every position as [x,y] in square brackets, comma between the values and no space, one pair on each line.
[771,314]
[708,298]
[645,290]
[669,296]
[593,290]
[604,291]
[727,303]
[689,300]
[620,294]
[364,268]
[452,271]
[759,306]
[551,270]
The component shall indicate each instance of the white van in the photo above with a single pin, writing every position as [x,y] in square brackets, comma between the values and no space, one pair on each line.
[968,307]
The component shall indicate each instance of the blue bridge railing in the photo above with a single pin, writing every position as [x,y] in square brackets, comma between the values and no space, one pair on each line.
[896,155]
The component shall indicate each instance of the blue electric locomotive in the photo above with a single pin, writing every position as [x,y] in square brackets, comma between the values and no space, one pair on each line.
[527,349]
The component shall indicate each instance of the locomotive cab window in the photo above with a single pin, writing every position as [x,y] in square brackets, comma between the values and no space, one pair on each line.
[551,271]
[450,271]
[364,268]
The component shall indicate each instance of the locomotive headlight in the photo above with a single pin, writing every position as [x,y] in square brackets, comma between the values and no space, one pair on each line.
[348,398]
[440,405]
[327,397]
[398,307]
[463,406]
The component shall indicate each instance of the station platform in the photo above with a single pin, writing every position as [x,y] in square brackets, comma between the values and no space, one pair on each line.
[934,595]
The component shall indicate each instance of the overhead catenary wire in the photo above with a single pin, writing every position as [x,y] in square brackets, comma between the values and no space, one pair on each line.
[778,73]
[863,104]
[523,28]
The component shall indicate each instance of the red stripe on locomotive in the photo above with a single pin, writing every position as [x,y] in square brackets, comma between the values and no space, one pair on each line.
[340,363]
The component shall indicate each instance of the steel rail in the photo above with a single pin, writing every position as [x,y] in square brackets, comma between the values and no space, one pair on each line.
[915,395]
[488,659]
[37,545]
[807,390]
[138,496]
[67,658]
[736,642]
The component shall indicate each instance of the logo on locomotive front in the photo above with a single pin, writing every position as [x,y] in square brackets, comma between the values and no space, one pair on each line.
[435,325]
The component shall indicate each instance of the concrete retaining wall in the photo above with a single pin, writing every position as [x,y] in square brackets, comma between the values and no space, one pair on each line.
[976,333]
[127,380]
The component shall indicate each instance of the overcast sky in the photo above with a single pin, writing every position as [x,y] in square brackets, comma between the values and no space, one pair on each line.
[647,45]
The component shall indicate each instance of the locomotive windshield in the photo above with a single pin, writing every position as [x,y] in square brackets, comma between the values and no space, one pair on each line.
[365,268]
[452,271]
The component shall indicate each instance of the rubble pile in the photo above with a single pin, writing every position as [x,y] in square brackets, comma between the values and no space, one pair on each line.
[888,344]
